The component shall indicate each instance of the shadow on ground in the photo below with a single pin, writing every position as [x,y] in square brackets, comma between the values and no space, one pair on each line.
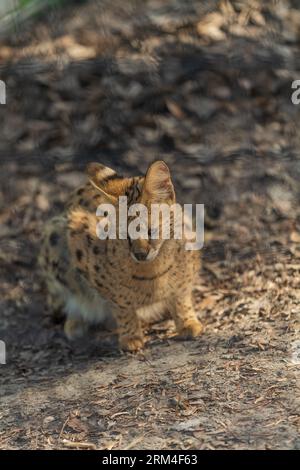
[206,86]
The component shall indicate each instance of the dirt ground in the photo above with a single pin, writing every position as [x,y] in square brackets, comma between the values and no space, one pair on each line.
[207,87]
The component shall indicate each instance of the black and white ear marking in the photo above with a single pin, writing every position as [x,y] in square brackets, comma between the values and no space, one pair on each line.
[98,172]
[99,175]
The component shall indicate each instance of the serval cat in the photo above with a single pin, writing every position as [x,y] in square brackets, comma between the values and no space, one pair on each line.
[132,281]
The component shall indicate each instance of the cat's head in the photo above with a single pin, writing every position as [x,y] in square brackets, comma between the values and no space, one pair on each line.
[144,234]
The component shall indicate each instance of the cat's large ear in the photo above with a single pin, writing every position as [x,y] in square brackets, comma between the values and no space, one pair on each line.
[99,175]
[158,185]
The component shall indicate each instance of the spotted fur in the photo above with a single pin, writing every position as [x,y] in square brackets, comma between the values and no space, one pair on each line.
[130,281]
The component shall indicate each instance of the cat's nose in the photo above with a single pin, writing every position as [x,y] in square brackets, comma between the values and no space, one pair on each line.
[140,255]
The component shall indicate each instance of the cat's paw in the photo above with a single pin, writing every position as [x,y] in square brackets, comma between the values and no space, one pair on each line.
[131,343]
[74,328]
[191,329]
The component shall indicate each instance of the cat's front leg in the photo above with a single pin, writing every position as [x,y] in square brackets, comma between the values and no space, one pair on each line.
[184,315]
[131,337]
